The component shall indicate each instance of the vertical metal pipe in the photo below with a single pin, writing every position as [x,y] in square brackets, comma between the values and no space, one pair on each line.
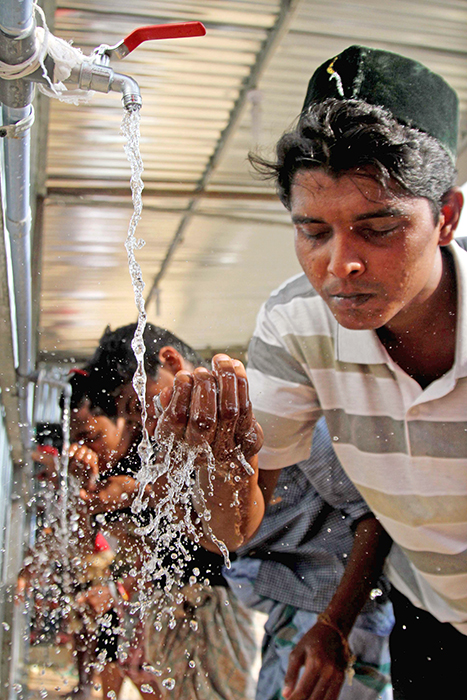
[17,43]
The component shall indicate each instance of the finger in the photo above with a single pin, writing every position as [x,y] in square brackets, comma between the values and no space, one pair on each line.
[85,455]
[248,433]
[202,422]
[297,659]
[73,448]
[175,416]
[327,688]
[165,396]
[227,408]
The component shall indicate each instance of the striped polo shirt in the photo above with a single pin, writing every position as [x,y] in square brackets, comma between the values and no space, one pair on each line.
[404,447]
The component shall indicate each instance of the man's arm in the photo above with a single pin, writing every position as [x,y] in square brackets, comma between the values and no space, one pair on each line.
[323,651]
[211,412]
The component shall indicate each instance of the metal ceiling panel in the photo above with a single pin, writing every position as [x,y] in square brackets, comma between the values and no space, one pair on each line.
[217,239]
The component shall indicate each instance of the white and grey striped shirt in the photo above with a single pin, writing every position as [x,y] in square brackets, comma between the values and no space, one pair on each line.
[403,447]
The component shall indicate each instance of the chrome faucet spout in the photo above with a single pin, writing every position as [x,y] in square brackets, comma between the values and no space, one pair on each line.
[90,75]
[131,95]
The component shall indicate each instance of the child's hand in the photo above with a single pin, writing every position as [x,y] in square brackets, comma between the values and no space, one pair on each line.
[114,494]
[84,465]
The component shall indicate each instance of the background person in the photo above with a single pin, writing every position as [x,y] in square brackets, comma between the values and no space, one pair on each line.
[98,444]
[211,648]
[293,569]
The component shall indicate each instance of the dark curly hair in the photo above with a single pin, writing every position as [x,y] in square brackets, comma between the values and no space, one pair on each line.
[343,135]
[114,363]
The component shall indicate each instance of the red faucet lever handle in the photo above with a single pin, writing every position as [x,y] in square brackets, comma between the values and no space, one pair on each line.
[158,31]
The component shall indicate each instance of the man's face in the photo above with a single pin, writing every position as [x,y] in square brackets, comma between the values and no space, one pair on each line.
[109,439]
[128,405]
[370,253]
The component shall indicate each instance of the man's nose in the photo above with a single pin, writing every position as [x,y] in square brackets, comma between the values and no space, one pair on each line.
[345,258]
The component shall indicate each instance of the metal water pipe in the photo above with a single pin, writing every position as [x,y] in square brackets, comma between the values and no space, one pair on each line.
[18,46]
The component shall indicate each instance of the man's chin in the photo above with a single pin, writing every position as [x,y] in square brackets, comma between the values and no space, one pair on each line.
[357,322]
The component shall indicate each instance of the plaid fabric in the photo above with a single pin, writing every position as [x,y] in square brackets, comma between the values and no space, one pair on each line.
[210,650]
[306,534]
[287,625]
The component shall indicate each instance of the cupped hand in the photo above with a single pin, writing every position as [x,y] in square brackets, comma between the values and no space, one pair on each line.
[98,597]
[114,493]
[212,407]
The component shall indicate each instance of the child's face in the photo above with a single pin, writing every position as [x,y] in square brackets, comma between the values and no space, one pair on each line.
[110,439]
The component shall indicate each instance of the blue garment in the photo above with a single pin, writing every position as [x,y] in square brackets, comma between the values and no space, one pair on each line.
[307,532]
[292,567]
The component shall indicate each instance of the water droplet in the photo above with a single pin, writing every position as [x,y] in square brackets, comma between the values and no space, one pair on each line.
[376,593]
[169,683]
[146,688]
[194,625]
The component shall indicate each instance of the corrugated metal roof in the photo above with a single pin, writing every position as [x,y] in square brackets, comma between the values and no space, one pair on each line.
[206,102]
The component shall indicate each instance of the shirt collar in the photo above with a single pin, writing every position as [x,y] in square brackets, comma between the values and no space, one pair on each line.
[460,261]
[364,347]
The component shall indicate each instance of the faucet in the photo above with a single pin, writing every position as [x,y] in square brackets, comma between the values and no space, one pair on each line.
[94,73]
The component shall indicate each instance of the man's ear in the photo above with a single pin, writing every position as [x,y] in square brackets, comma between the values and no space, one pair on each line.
[171,359]
[450,215]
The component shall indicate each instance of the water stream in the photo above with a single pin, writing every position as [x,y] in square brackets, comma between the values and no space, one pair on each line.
[131,132]
[171,517]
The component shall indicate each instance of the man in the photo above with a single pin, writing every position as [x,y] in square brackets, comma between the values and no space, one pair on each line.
[208,653]
[98,445]
[373,335]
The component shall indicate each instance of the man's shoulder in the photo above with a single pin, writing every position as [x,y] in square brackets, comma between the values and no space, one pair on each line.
[295,309]
[296,287]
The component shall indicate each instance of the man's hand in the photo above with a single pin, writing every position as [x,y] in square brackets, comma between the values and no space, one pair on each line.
[321,653]
[84,465]
[98,597]
[324,651]
[212,408]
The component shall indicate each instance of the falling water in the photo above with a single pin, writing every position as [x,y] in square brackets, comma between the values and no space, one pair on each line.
[64,458]
[130,130]
[166,528]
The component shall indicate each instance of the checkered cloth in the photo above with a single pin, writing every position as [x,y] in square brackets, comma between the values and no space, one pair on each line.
[307,533]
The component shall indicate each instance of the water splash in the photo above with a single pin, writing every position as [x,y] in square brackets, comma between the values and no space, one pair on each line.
[168,467]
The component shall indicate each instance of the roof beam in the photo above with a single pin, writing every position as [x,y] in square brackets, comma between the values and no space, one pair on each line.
[281,26]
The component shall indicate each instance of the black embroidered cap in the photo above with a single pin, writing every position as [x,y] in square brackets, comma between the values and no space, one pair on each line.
[413,94]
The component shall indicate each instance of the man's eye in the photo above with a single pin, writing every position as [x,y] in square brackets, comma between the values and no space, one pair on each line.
[312,234]
[379,232]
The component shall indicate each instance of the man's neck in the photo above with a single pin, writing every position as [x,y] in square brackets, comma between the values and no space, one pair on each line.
[425,350]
